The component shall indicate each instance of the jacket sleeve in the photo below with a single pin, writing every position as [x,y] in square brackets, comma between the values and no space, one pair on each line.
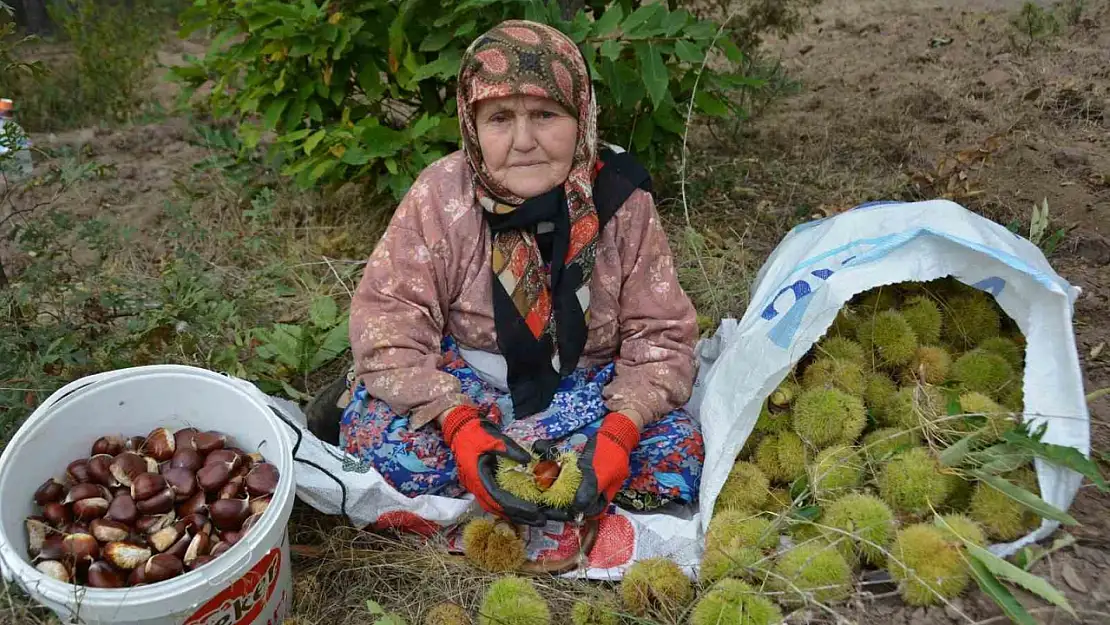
[398,315]
[655,364]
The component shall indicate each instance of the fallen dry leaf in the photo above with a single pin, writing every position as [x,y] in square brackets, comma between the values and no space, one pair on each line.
[1072,578]
[1097,350]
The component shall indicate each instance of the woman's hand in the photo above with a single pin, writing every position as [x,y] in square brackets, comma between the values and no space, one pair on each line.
[604,463]
[477,443]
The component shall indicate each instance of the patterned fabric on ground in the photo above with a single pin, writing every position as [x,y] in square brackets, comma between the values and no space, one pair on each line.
[665,467]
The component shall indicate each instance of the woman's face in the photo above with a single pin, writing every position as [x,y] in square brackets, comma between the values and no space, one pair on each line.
[527,142]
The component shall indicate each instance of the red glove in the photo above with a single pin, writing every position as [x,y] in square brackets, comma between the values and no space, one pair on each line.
[604,464]
[476,443]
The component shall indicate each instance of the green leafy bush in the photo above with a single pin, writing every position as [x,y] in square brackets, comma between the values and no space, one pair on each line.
[364,89]
[1032,24]
[300,349]
[9,44]
[114,47]
[103,72]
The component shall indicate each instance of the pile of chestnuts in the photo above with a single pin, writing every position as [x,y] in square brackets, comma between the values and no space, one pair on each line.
[142,510]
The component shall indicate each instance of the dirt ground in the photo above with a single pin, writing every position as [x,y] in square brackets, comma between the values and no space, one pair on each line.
[906,100]
[890,89]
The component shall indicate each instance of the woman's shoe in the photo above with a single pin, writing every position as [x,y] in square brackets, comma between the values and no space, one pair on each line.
[324,414]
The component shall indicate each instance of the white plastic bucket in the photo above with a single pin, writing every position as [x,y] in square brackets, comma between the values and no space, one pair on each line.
[250,584]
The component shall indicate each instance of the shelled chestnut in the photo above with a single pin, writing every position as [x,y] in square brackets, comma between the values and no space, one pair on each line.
[143,509]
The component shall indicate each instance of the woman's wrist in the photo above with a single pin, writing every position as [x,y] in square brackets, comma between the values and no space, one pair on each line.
[446,414]
[455,420]
[443,416]
[636,418]
[622,430]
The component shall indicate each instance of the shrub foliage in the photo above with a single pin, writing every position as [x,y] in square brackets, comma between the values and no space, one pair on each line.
[364,89]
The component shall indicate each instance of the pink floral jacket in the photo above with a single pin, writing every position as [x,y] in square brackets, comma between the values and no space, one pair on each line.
[429,276]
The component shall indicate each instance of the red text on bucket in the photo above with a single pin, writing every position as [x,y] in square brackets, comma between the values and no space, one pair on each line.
[243,601]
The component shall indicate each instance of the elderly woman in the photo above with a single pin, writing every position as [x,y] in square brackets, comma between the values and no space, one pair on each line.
[524,297]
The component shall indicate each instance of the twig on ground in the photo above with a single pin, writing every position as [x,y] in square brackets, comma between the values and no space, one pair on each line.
[337,278]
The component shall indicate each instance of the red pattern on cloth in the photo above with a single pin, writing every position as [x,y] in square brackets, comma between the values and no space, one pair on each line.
[582,233]
[616,543]
[404,521]
[493,61]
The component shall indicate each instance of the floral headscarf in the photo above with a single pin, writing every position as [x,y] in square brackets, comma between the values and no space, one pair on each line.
[540,315]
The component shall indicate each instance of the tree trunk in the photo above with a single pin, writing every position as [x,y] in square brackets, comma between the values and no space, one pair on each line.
[32,14]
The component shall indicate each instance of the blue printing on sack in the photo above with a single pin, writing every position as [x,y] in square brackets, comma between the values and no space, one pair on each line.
[801,290]
[1005,257]
[783,332]
[993,285]
[1012,261]
[820,257]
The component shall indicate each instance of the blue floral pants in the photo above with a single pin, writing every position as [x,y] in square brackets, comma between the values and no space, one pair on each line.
[665,467]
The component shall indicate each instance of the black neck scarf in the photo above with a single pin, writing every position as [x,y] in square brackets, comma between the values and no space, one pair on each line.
[532,376]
